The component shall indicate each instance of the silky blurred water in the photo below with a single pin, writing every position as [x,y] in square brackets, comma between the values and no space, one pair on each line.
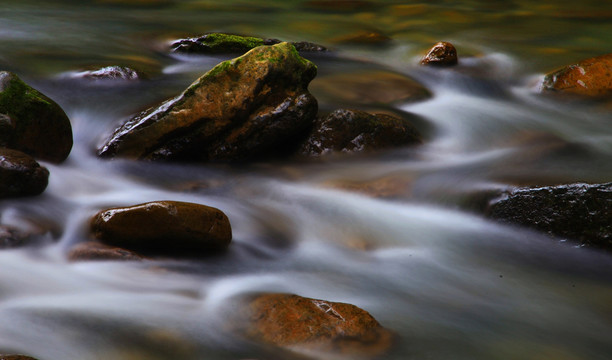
[417,255]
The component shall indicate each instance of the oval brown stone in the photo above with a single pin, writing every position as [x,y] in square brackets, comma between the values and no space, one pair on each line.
[442,53]
[591,77]
[297,322]
[164,228]
[21,175]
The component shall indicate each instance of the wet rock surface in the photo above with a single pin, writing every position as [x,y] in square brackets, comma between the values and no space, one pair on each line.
[300,323]
[21,175]
[16,357]
[357,131]
[92,251]
[218,43]
[441,54]
[164,228]
[108,73]
[31,122]
[577,212]
[591,77]
[252,107]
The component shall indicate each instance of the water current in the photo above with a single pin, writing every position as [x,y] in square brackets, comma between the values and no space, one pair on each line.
[423,261]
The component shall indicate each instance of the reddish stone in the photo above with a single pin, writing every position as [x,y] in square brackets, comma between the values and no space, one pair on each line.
[301,323]
[591,77]
[96,251]
[442,53]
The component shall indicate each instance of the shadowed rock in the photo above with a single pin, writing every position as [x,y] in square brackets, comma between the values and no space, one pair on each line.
[31,122]
[591,77]
[92,251]
[357,131]
[164,228]
[578,212]
[300,323]
[21,175]
[255,106]
[16,357]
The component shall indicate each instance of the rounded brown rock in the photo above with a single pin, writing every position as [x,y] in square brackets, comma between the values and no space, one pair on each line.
[21,175]
[441,54]
[591,77]
[164,228]
[296,322]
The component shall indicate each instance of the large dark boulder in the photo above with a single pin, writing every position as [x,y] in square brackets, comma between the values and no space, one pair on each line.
[31,122]
[251,107]
[21,175]
[590,78]
[164,228]
[577,212]
[300,323]
[358,131]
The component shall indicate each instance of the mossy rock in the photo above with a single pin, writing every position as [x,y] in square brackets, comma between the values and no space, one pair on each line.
[21,175]
[252,107]
[219,43]
[31,122]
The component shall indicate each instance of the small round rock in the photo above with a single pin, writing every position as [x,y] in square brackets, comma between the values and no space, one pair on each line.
[441,54]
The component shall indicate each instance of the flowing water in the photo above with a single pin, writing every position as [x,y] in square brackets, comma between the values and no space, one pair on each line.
[422,260]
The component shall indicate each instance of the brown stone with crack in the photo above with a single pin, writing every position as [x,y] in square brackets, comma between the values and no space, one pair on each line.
[300,323]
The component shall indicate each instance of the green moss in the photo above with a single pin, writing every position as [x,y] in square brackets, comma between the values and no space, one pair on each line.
[16,96]
[223,43]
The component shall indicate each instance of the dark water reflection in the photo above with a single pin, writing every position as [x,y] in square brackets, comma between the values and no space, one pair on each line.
[419,257]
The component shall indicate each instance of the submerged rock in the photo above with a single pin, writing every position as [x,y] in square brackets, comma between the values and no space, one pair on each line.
[356,131]
[300,323]
[218,43]
[578,212]
[92,250]
[368,87]
[363,38]
[108,73]
[441,54]
[21,175]
[31,122]
[164,228]
[251,107]
[591,77]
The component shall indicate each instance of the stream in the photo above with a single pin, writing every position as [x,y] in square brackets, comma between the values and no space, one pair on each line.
[423,260]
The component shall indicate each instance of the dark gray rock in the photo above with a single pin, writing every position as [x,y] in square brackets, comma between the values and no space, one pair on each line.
[21,175]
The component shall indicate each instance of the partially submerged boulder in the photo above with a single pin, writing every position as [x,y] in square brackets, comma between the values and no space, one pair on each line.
[31,122]
[164,228]
[358,131]
[299,323]
[108,73]
[21,175]
[576,212]
[591,78]
[219,43]
[251,107]
[441,54]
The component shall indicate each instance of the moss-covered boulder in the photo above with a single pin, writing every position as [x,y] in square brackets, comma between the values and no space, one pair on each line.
[591,78]
[578,212]
[441,54]
[252,107]
[219,43]
[31,122]
[164,228]
[299,323]
[358,131]
[21,175]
